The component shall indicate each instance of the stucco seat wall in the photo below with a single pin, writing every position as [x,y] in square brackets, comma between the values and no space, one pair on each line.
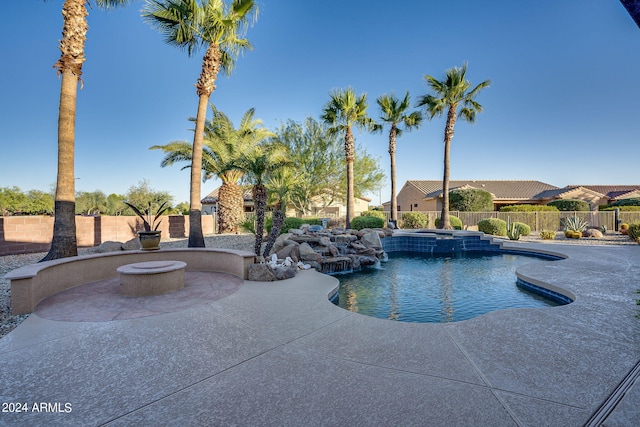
[33,283]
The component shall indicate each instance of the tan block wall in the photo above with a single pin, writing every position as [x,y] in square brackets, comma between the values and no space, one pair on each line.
[29,234]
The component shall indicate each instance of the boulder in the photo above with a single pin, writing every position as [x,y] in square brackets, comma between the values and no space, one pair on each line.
[110,246]
[280,242]
[592,232]
[345,238]
[131,245]
[261,273]
[308,254]
[290,251]
[367,260]
[371,240]
[283,273]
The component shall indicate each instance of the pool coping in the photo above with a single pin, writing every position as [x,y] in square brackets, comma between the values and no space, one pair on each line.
[269,354]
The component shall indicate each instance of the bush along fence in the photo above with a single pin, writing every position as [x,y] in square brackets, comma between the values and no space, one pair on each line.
[538,221]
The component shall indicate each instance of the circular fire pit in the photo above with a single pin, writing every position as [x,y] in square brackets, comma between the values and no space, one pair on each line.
[151,278]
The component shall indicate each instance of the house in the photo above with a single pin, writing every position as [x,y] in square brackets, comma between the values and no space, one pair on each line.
[318,208]
[423,195]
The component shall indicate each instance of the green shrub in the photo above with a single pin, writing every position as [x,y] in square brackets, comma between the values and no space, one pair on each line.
[293,222]
[548,234]
[455,222]
[375,213]
[570,205]
[634,231]
[415,220]
[528,208]
[493,226]
[634,201]
[621,208]
[525,230]
[470,200]
[360,222]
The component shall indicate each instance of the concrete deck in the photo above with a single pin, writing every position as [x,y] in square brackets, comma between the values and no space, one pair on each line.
[280,354]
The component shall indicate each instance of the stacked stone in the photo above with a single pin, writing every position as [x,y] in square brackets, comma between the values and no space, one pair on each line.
[331,251]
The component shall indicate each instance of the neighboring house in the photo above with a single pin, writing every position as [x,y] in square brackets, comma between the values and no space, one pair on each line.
[421,195]
[317,207]
[210,202]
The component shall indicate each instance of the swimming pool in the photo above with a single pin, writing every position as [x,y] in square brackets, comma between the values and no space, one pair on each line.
[436,288]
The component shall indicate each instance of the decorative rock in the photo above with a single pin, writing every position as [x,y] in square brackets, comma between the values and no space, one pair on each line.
[283,273]
[315,228]
[296,231]
[281,241]
[131,245]
[592,232]
[110,246]
[290,251]
[308,254]
[371,240]
[367,260]
[345,238]
[358,246]
[261,273]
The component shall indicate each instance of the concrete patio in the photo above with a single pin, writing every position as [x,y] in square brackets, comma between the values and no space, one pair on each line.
[280,354]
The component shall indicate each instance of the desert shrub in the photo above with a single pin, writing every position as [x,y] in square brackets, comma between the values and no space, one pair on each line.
[525,230]
[375,213]
[570,205]
[624,228]
[293,222]
[528,208]
[455,222]
[415,220]
[493,226]
[634,201]
[634,231]
[360,222]
[548,234]
[470,200]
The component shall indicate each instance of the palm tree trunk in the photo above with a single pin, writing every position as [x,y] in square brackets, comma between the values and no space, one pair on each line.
[260,202]
[196,238]
[276,227]
[445,222]
[74,31]
[230,207]
[350,151]
[392,155]
[204,88]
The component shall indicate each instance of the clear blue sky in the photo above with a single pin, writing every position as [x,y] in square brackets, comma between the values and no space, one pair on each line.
[563,107]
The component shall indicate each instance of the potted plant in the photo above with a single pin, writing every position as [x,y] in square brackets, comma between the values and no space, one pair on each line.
[150,237]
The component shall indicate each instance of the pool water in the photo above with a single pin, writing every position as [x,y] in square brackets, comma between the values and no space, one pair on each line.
[415,287]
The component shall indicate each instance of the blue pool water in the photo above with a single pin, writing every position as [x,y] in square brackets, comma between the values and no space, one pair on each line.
[415,287]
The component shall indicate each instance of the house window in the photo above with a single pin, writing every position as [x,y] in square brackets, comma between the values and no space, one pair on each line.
[399,208]
[415,205]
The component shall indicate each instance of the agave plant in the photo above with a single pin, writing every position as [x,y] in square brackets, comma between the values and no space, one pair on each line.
[150,221]
[575,223]
[513,231]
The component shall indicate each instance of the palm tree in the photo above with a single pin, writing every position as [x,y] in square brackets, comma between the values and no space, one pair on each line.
[69,66]
[257,166]
[190,24]
[449,94]
[394,112]
[283,186]
[343,111]
[223,147]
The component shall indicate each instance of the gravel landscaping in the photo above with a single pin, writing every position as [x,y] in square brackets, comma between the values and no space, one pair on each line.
[241,242]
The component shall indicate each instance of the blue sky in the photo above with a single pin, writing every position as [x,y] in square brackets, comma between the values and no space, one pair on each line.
[563,107]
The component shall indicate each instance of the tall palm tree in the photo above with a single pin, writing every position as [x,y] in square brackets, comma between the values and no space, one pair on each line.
[219,28]
[223,147]
[394,112]
[257,166]
[343,111]
[451,94]
[69,66]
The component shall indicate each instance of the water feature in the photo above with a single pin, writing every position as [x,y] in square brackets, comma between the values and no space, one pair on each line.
[426,288]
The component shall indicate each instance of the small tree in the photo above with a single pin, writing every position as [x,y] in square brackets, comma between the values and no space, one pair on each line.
[570,205]
[470,200]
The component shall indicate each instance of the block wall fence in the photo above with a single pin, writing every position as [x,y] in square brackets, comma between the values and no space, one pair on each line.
[29,234]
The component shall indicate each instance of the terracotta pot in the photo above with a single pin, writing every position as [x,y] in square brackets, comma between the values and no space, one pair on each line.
[149,240]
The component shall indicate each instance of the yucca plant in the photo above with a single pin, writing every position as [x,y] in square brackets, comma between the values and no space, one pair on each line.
[576,224]
[150,221]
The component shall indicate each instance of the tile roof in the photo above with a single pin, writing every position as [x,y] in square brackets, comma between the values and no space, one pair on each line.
[506,189]
[611,191]
[212,198]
